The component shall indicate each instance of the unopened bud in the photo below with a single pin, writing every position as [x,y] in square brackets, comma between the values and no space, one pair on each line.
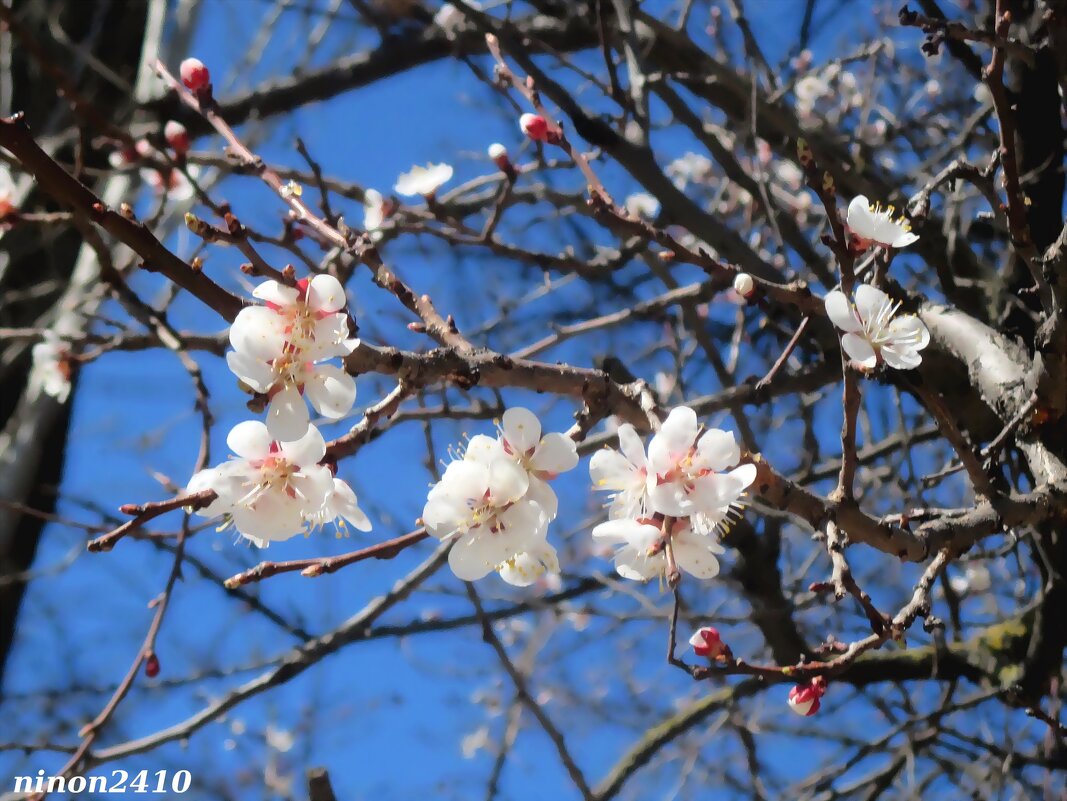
[706,642]
[195,75]
[177,137]
[499,154]
[534,126]
[804,698]
[151,666]
[744,285]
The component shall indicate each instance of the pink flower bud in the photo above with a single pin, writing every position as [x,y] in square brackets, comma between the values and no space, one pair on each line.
[535,127]
[804,698]
[707,643]
[151,666]
[177,137]
[195,75]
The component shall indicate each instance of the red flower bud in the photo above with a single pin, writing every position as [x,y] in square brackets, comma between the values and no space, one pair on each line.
[177,137]
[151,666]
[707,643]
[535,127]
[804,698]
[195,75]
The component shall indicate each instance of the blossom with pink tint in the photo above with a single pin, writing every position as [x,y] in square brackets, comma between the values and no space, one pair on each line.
[641,552]
[270,489]
[804,699]
[694,472]
[279,350]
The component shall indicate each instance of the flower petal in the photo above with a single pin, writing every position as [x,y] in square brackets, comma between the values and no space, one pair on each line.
[674,439]
[250,440]
[859,350]
[911,329]
[325,294]
[522,429]
[840,312]
[258,332]
[870,301]
[343,503]
[306,450]
[694,555]
[276,293]
[631,445]
[287,415]
[253,372]
[904,238]
[556,454]
[525,568]
[507,483]
[312,486]
[717,449]
[859,218]
[610,470]
[331,391]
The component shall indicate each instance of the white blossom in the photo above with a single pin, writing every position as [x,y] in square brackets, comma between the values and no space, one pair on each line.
[51,367]
[672,501]
[689,168]
[624,473]
[542,456]
[497,502]
[975,579]
[278,350]
[688,471]
[641,552]
[423,181]
[450,19]
[373,213]
[872,330]
[872,223]
[809,90]
[482,505]
[272,490]
[789,174]
[527,567]
[341,508]
[642,205]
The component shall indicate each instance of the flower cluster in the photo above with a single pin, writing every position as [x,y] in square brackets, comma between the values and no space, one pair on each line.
[279,350]
[274,490]
[276,486]
[495,503]
[873,332]
[667,505]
